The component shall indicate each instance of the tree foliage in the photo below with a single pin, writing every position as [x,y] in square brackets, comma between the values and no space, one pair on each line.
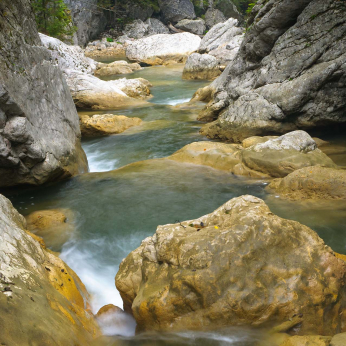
[53,18]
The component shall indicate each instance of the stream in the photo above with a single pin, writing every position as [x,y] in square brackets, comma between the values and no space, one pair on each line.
[128,193]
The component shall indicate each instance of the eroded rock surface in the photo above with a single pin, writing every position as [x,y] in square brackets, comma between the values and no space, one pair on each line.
[240,265]
[201,66]
[39,130]
[106,124]
[214,16]
[196,26]
[312,183]
[42,301]
[157,49]
[290,71]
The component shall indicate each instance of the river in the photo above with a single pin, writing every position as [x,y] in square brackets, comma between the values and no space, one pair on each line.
[128,193]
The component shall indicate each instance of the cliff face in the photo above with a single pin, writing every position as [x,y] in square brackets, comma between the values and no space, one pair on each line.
[290,72]
[39,126]
[88,18]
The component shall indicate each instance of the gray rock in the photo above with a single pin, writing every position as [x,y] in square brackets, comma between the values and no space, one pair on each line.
[40,139]
[156,26]
[196,26]
[294,59]
[137,10]
[139,29]
[175,10]
[228,8]
[214,16]
[158,49]
[88,18]
[201,66]
[223,41]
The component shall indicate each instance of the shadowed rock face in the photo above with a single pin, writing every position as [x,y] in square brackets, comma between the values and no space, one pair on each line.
[42,301]
[39,128]
[290,72]
[243,266]
[176,10]
[88,18]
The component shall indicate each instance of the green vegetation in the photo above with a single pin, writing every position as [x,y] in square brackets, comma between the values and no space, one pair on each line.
[244,6]
[109,39]
[53,18]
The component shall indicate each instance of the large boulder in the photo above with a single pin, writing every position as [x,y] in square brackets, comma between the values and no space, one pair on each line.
[106,124]
[39,130]
[289,73]
[201,66]
[196,26]
[240,265]
[88,18]
[116,67]
[271,158]
[281,156]
[107,50]
[312,183]
[157,49]
[223,41]
[38,291]
[91,92]
[214,16]
[175,10]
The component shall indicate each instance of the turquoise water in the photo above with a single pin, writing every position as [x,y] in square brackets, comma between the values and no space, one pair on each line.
[115,209]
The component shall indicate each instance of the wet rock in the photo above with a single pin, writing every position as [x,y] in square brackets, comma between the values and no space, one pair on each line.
[273,158]
[88,18]
[223,41]
[196,26]
[39,130]
[157,49]
[312,183]
[116,67]
[176,10]
[106,124]
[217,155]
[214,16]
[245,266]
[44,291]
[281,156]
[265,90]
[201,66]
[55,226]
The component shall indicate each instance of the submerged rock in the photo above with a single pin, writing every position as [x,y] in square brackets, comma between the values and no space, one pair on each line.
[288,74]
[176,10]
[106,124]
[240,265]
[55,226]
[42,301]
[312,183]
[116,67]
[157,49]
[39,130]
[201,66]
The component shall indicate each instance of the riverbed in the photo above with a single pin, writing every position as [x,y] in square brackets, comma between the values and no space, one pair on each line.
[130,191]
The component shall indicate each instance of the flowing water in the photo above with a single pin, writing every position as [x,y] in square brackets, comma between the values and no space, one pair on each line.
[118,205]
